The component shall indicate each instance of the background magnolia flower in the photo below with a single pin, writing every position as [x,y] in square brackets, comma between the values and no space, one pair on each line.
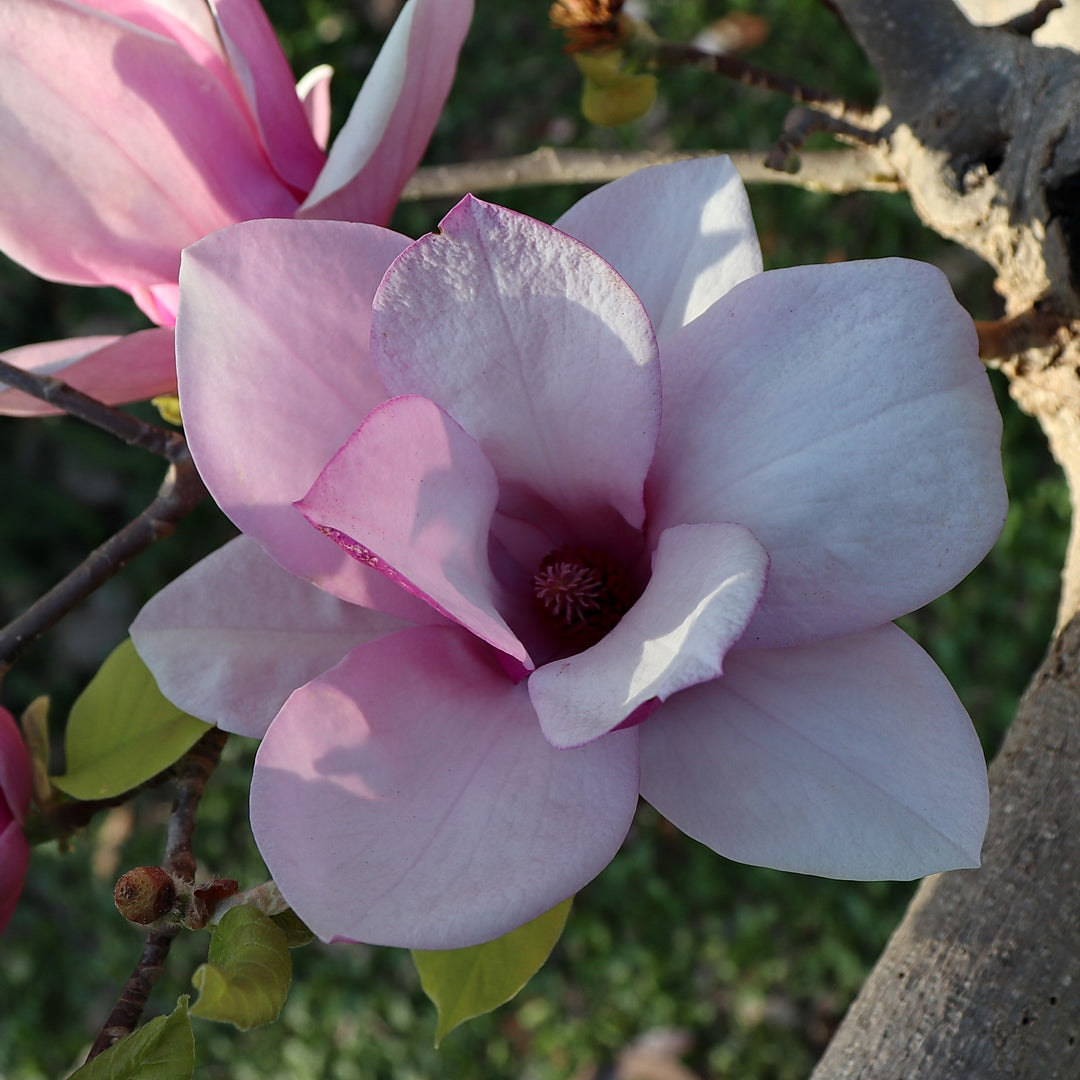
[15,785]
[590,520]
[132,129]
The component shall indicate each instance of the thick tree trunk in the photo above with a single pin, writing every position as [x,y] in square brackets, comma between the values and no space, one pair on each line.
[982,979]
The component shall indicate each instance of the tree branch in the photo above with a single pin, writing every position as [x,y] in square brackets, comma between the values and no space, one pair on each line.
[1030,21]
[179,494]
[836,171]
[912,45]
[135,432]
[673,54]
[133,998]
[979,981]
[193,771]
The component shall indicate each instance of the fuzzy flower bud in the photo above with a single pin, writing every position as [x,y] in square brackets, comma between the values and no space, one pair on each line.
[145,895]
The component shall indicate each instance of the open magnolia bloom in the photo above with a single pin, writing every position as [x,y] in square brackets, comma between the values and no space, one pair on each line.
[541,518]
[15,786]
[132,128]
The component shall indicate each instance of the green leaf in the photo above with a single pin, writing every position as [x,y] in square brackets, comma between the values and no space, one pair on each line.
[246,980]
[122,731]
[465,983]
[163,1049]
[297,932]
[35,727]
[613,95]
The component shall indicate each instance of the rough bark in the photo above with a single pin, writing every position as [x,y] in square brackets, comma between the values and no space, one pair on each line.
[982,979]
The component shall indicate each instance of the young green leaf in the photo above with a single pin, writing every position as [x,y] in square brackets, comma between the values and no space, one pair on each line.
[122,731]
[297,932]
[246,979]
[35,727]
[163,1049]
[465,983]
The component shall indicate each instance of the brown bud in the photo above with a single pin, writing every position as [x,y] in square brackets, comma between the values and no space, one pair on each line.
[590,25]
[212,892]
[145,894]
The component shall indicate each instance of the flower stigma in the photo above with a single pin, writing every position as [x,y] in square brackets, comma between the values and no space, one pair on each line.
[582,593]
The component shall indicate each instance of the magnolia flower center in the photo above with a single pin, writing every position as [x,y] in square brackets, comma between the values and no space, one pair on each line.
[582,593]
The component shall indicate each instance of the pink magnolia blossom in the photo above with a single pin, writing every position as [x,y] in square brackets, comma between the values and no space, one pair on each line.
[15,784]
[132,128]
[598,510]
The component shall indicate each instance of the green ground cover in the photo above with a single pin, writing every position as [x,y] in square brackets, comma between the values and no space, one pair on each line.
[756,966]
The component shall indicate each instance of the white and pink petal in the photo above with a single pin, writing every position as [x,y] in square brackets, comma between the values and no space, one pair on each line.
[850,758]
[112,369]
[266,82]
[394,115]
[313,90]
[681,235]
[408,798]
[840,413]
[273,380]
[412,495]
[108,168]
[231,639]
[706,581]
[541,352]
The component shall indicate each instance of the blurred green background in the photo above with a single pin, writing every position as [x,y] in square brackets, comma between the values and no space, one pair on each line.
[753,968]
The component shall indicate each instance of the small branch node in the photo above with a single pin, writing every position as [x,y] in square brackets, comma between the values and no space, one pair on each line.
[1025,25]
[1035,328]
[800,124]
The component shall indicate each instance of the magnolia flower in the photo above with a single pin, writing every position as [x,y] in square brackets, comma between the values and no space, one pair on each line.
[15,784]
[132,128]
[541,518]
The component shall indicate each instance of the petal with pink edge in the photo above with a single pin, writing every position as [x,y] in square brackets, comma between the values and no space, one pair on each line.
[272,361]
[706,581]
[14,859]
[538,349]
[851,758]
[394,114]
[682,235]
[840,413]
[162,16]
[119,148]
[313,90]
[411,494]
[15,789]
[114,370]
[408,798]
[267,82]
[15,768]
[232,638]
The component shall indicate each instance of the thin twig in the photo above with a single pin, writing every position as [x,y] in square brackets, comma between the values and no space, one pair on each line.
[180,493]
[193,771]
[673,54]
[800,124]
[135,432]
[839,172]
[1032,329]
[1030,21]
[129,1008]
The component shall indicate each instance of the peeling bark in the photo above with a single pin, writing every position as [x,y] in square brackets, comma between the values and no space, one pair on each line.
[981,981]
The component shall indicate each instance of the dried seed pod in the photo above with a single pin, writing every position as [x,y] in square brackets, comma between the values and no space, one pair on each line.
[145,895]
